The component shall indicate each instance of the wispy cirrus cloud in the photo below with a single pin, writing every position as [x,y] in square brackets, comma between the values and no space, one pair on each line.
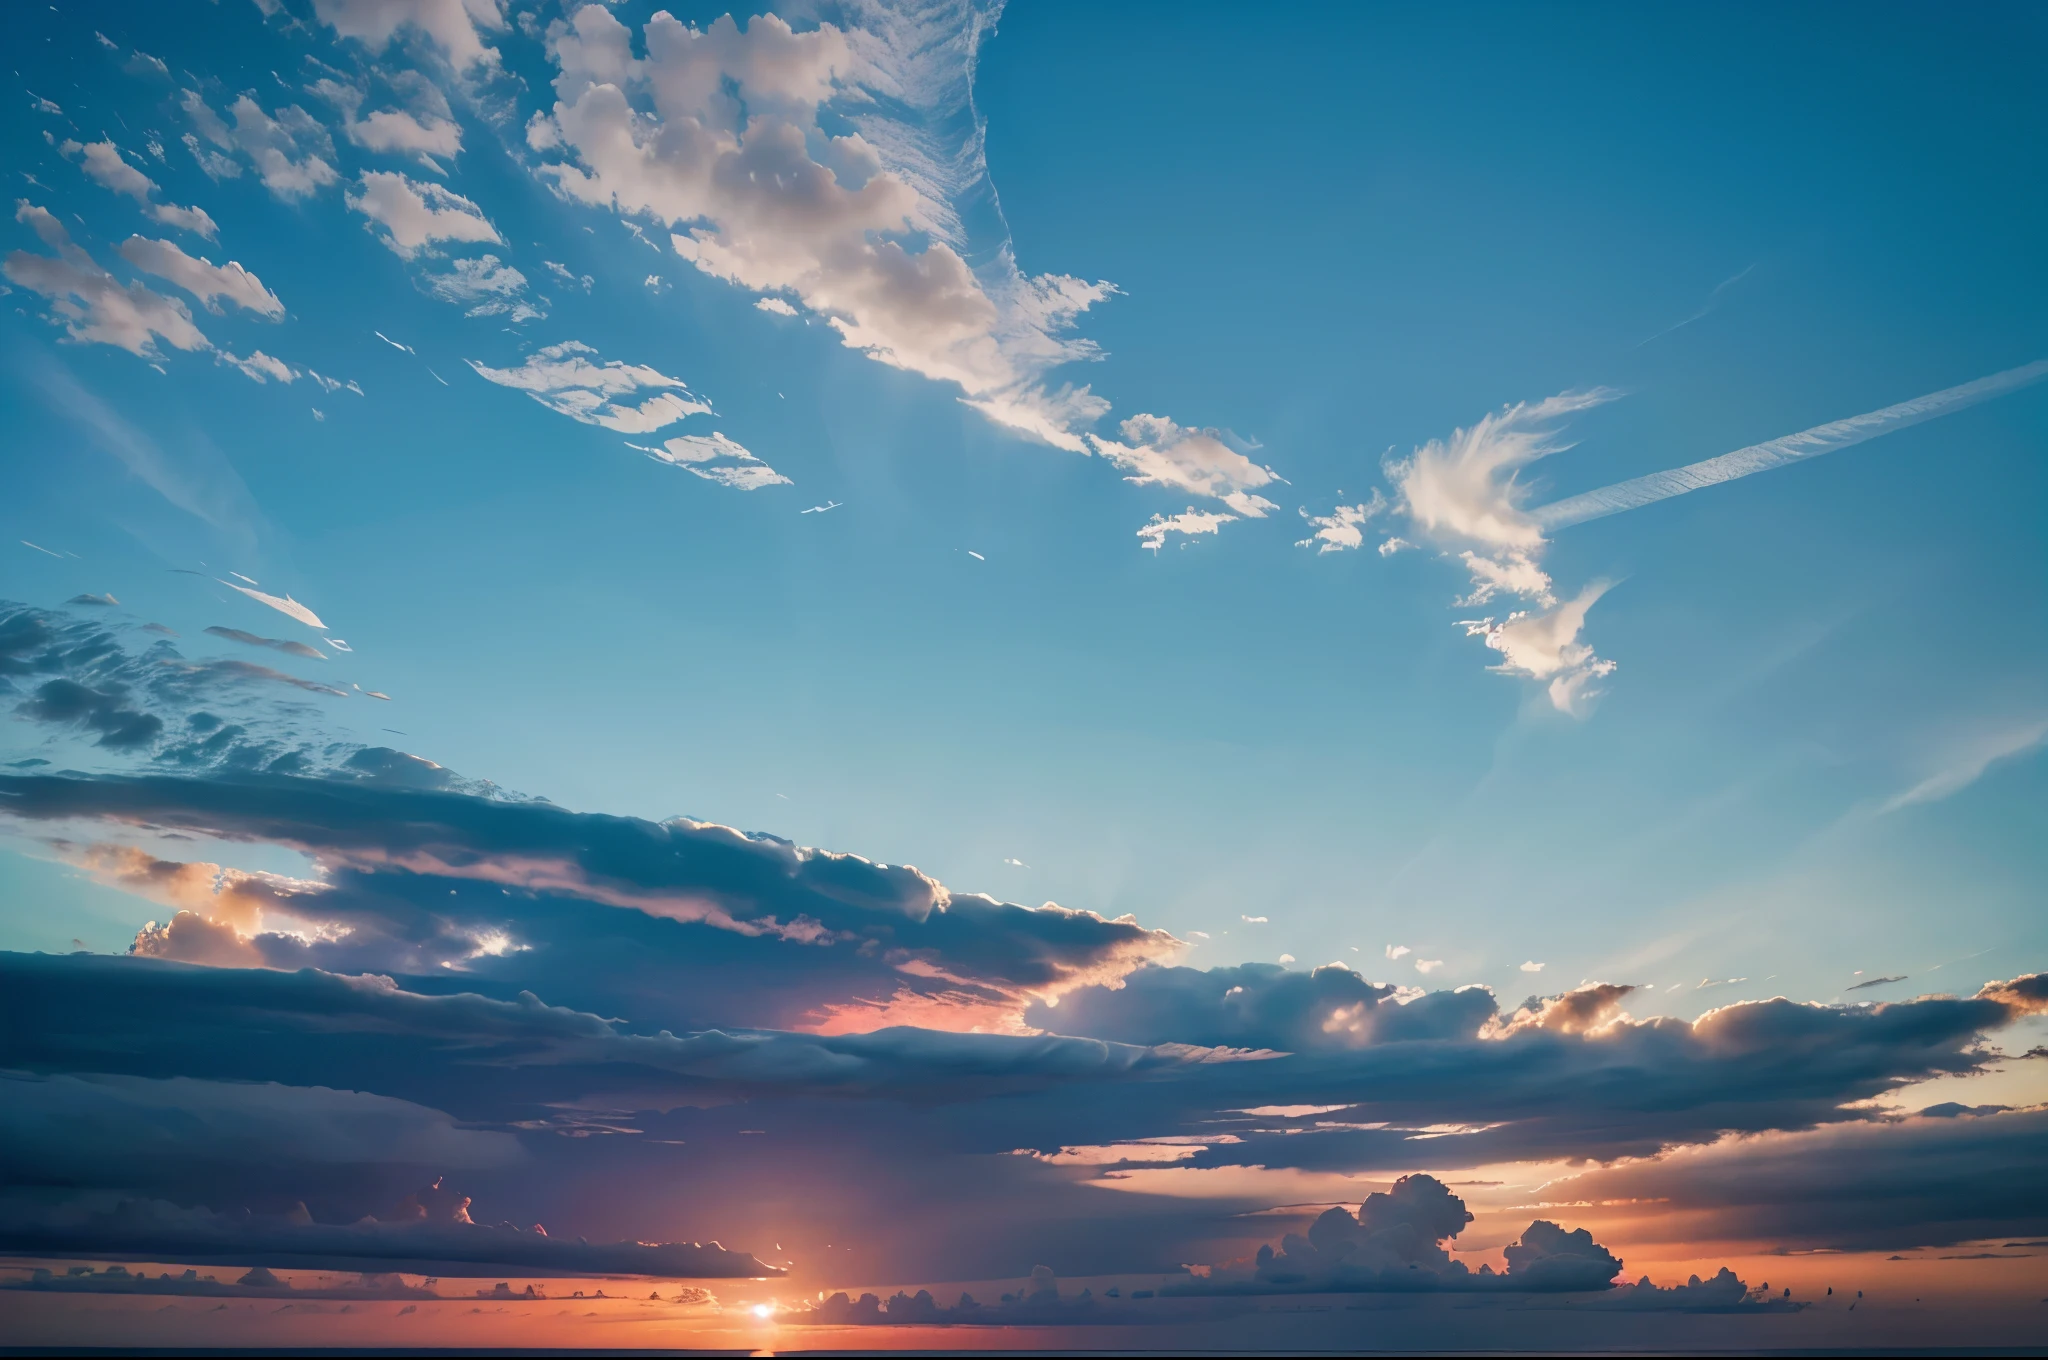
[716,459]
[730,136]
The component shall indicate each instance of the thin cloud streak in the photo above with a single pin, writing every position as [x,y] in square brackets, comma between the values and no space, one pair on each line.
[1776,453]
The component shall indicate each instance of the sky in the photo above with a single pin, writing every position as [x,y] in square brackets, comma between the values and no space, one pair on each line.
[1447,604]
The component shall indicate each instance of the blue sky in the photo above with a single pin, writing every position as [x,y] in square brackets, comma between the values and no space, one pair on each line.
[1315,257]
[1428,229]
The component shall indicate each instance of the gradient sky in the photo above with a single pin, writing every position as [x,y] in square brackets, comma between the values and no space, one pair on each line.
[1094,457]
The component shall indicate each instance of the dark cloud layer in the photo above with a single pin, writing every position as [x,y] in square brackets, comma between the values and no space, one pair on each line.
[638,1030]
[284,645]
[386,846]
[429,1232]
[1885,1186]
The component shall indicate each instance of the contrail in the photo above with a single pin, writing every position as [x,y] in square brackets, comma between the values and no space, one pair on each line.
[1839,434]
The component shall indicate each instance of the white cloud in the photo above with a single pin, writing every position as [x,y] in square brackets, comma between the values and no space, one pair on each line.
[103,163]
[569,378]
[1546,646]
[455,26]
[774,306]
[1397,951]
[91,304]
[202,278]
[260,366]
[1463,490]
[285,605]
[1531,966]
[716,459]
[424,128]
[1428,965]
[568,276]
[1343,527]
[273,145]
[1791,448]
[1287,958]
[1161,453]
[1152,534]
[485,287]
[327,384]
[716,133]
[415,214]
[216,166]
[1252,920]
[1464,494]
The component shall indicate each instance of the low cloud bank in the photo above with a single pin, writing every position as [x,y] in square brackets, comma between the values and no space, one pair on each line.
[430,1231]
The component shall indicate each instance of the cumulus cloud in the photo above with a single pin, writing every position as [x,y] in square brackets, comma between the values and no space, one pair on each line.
[1153,533]
[1395,1243]
[455,27]
[203,279]
[1263,1006]
[485,287]
[570,379]
[289,150]
[717,459]
[89,303]
[1344,527]
[422,126]
[1546,645]
[105,165]
[415,214]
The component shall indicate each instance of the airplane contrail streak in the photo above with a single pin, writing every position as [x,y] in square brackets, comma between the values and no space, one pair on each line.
[1792,448]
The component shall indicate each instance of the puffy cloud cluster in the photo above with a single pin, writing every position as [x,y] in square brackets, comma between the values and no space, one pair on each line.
[1262,1005]
[1395,1243]
[94,307]
[1038,1303]
[416,215]
[290,151]
[419,125]
[456,27]
[90,303]
[485,286]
